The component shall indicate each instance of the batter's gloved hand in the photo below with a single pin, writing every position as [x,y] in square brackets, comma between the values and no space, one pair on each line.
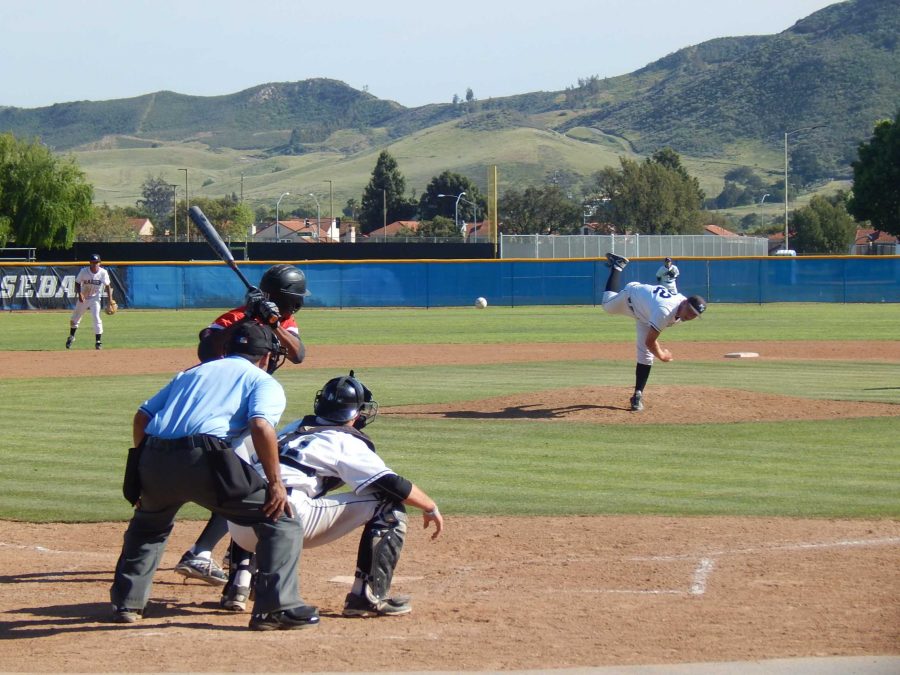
[253,295]
[267,312]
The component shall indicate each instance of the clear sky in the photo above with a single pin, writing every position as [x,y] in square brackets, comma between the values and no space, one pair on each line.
[412,52]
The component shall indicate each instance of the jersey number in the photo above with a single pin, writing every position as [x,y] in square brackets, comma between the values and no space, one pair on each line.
[661,292]
[291,457]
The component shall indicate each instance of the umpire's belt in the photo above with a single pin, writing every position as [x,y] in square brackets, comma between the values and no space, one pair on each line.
[186,442]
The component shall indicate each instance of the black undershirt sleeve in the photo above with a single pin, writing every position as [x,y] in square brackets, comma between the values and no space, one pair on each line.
[393,485]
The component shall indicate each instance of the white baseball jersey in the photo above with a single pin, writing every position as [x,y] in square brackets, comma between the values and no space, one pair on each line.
[651,306]
[666,276]
[313,464]
[92,283]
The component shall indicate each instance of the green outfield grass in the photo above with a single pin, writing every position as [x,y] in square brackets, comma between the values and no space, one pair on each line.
[43,331]
[64,440]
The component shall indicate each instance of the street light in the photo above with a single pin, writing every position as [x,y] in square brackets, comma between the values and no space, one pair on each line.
[277,231]
[456,209]
[174,209]
[474,216]
[318,223]
[762,201]
[331,192]
[187,227]
[786,134]
[384,214]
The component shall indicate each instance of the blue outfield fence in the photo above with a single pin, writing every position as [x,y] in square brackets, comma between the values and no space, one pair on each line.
[442,283]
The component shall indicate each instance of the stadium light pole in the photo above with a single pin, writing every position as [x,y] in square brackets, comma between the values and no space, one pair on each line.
[456,209]
[786,134]
[331,194]
[174,210]
[277,204]
[474,216]
[384,214]
[318,218]
[187,206]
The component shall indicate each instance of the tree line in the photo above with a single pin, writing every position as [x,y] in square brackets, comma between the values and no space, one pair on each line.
[45,201]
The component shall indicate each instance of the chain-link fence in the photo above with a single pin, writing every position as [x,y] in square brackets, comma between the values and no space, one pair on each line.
[629,245]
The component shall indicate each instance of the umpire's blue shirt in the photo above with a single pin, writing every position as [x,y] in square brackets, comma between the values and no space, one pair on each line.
[218,398]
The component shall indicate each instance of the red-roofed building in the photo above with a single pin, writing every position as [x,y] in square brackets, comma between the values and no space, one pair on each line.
[305,231]
[874,242]
[142,227]
[394,229]
[718,231]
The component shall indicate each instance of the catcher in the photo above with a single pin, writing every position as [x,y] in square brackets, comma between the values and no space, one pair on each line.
[318,454]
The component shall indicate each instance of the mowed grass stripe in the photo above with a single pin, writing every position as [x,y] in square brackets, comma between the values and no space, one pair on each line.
[46,331]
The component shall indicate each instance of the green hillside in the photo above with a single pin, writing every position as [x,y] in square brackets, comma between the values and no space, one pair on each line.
[720,104]
[838,68]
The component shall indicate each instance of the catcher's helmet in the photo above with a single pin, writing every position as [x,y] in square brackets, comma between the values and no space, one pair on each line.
[343,398]
[285,285]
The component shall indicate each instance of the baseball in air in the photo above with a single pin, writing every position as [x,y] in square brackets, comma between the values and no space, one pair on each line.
[480,303]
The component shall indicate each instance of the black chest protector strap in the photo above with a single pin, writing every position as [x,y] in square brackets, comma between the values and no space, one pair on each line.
[308,426]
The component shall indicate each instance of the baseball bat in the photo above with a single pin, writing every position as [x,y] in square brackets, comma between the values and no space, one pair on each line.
[213,239]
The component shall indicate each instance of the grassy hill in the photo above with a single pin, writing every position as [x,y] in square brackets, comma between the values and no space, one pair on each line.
[720,104]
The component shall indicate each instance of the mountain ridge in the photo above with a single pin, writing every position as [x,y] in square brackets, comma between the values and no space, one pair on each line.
[733,97]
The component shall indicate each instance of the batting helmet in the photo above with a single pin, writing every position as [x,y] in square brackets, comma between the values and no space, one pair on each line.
[285,285]
[343,398]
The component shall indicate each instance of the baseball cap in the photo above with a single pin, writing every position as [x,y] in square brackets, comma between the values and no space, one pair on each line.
[697,303]
[668,260]
[94,258]
[251,338]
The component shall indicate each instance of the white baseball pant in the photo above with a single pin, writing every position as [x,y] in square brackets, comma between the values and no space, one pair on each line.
[620,303]
[93,304]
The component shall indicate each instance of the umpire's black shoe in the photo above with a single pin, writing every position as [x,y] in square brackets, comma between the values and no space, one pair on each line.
[303,616]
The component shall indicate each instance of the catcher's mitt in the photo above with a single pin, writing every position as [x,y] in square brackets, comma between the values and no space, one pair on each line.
[112,307]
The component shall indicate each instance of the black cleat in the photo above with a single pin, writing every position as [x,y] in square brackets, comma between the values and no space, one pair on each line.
[358,605]
[295,618]
[637,401]
[617,262]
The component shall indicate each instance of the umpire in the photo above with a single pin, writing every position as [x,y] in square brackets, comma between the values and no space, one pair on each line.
[182,454]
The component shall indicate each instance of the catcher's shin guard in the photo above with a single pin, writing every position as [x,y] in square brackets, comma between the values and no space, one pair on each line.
[379,550]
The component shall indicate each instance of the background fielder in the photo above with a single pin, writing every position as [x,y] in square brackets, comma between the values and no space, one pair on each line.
[654,309]
[667,274]
[320,453]
[89,285]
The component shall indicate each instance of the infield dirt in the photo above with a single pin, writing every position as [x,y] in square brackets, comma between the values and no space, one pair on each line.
[492,593]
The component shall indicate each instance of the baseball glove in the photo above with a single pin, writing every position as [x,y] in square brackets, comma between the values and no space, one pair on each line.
[112,307]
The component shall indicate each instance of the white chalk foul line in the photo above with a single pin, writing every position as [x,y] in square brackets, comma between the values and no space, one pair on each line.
[887,541]
[44,549]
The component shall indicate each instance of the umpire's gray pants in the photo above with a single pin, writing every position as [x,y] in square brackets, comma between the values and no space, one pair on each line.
[169,479]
